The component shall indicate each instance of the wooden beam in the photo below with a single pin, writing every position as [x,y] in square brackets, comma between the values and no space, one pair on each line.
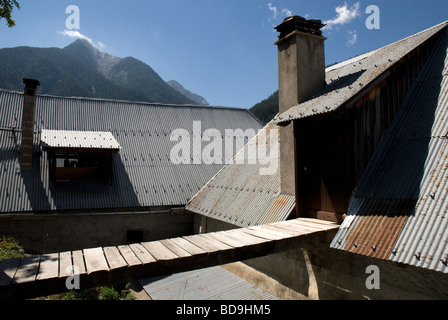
[27,271]
[129,256]
[49,266]
[95,260]
[114,258]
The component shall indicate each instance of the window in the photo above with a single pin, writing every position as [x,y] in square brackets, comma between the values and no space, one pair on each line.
[79,156]
[134,236]
[82,167]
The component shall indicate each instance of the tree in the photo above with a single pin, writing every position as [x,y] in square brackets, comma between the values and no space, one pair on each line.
[6,7]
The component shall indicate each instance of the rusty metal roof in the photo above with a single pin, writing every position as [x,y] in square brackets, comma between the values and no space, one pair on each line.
[78,139]
[350,78]
[241,196]
[399,210]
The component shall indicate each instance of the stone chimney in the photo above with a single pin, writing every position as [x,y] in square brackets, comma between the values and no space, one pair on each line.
[301,72]
[29,110]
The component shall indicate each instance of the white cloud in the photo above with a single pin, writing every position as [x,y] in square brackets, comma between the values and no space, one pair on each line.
[278,13]
[273,9]
[353,38]
[75,34]
[345,15]
[101,45]
[286,12]
[79,35]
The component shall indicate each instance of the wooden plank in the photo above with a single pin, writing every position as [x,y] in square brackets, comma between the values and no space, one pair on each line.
[317,221]
[239,234]
[95,260]
[65,264]
[222,237]
[78,262]
[143,255]
[262,234]
[49,266]
[293,232]
[27,270]
[175,248]
[129,256]
[159,251]
[298,227]
[8,269]
[218,244]
[264,228]
[202,243]
[114,258]
[314,223]
[188,246]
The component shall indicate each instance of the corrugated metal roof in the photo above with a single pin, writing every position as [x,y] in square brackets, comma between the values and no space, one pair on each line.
[143,174]
[349,78]
[78,139]
[240,195]
[213,283]
[399,210]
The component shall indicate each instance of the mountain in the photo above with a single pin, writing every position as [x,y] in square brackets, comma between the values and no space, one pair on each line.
[193,96]
[82,70]
[267,109]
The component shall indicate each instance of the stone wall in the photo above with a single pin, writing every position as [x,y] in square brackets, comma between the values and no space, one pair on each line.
[57,233]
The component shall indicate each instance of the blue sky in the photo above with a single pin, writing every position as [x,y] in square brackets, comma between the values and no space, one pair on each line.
[221,49]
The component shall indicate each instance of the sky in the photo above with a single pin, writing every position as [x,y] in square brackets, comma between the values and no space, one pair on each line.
[222,50]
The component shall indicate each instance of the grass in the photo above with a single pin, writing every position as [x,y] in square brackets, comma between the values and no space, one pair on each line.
[117,292]
[10,248]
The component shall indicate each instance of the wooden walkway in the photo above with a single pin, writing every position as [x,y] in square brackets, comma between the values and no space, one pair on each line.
[48,273]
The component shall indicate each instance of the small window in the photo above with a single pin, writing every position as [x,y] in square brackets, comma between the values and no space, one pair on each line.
[79,156]
[81,167]
[134,236]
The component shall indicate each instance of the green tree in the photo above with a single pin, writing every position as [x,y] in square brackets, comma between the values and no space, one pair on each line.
[6,7]
[267,109]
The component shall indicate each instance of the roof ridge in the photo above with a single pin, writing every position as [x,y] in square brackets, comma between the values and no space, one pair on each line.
[128,101]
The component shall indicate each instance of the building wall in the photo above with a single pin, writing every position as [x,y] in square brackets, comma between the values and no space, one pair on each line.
[334,149]
[320,272]
[57,233]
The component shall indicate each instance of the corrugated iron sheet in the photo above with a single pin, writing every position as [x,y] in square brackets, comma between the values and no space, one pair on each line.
[349,78]
[144,175]
[78,139]
[399,210]
[213,283]
[241,196]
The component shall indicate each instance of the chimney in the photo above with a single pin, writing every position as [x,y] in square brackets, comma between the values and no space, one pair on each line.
[29,109]
[301,67]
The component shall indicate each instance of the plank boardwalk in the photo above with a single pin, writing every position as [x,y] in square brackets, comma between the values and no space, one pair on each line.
[46,274]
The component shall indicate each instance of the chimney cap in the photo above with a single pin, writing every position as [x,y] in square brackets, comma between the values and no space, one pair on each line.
[31,83]
[299,23]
